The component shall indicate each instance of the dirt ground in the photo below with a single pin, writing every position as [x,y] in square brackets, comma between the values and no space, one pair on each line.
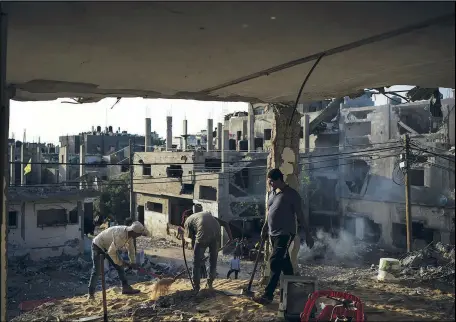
[398,301]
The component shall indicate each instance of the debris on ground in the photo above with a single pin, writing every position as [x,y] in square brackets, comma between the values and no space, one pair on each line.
[433,262]
[155,243]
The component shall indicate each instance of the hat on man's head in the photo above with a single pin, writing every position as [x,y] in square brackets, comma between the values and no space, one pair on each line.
[138,228]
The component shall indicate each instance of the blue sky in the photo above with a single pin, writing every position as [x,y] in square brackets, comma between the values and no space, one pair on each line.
[48,120]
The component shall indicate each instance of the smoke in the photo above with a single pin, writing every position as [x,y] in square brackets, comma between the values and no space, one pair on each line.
[344,246]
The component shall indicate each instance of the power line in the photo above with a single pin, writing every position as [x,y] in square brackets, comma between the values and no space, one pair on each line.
[445,157]
[202,163]
[219,174]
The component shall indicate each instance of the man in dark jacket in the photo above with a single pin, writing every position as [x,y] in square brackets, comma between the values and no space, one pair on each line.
[284,211]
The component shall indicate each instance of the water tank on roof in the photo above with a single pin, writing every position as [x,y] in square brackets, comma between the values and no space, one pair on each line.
[232,145]
[243,145]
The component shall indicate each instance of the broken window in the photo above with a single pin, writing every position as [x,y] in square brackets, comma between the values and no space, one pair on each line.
[174,171]
[213,164]
[358,174]
[358,115]
[187,189]
[241,178]
[51,217]
[415,119]
[359,129]
[416,177]
[258,111]
[154,206]
[267,134]
[73,216]
[208,193]
[12,219]
[146,170]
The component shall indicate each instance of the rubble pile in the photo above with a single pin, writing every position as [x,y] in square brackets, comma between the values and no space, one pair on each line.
[433,262]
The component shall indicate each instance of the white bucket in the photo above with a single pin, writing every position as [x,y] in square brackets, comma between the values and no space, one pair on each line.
[387,268]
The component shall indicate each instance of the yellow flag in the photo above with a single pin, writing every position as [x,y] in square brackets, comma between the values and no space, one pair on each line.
[28,167]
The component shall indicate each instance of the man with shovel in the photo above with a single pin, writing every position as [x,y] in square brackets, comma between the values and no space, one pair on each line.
[106,244]
[204,230]
[284,210]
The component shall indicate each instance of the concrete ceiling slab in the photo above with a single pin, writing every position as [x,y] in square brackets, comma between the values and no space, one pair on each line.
[188,50]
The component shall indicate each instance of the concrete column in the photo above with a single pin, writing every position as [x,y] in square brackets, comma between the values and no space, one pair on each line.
[37,166]
[244,130]
[169,133]
[225,147]
[210,129]
[63,166]
[4,130]
[12,166]
[148,141]
[81,164]
[80,207]
[284,155]
[251,129]
[219,136]
[22,160]
[184,135]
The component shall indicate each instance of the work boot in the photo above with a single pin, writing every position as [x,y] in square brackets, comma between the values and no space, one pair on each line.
[196,289]
[90,297]
[128,290]
[263,300]
[209,285]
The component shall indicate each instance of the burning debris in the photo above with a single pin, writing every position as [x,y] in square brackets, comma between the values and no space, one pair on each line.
[433,262]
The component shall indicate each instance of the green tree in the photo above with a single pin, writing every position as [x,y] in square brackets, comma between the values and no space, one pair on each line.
[114,201]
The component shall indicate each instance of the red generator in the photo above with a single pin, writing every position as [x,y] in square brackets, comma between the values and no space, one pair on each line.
[349,308]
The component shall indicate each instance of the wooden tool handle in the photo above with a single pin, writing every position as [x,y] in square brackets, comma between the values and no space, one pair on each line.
[103,288]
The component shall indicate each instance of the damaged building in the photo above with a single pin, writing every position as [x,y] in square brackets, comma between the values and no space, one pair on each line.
[230,184]
[350,174]
[46,221]
[360,188]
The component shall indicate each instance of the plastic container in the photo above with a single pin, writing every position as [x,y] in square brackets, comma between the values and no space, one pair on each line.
[387,268]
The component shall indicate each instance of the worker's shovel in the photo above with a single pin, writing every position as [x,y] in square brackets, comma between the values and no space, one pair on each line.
[103,288]
[248,291]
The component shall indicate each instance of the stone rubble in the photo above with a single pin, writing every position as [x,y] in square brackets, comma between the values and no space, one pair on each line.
[433,262]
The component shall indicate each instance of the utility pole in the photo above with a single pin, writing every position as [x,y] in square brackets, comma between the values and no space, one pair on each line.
[132,203]
[408,211]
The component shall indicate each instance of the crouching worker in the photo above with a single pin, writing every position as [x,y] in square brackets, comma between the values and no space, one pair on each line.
[204,230]
[107,243]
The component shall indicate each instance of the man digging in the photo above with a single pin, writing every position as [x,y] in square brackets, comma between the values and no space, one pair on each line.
[107,243]
[204,230]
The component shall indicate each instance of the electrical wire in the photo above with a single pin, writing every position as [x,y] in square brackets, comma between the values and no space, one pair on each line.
[203,163]
[303,85]
[445,157]
[167,180]
[265,152]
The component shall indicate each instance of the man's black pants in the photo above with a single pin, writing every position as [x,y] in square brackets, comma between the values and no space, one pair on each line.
[279,262]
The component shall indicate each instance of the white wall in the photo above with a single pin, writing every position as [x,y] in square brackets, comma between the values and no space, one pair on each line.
[42,242]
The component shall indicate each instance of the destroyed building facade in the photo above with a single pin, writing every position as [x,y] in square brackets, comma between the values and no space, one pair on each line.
[46,221]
